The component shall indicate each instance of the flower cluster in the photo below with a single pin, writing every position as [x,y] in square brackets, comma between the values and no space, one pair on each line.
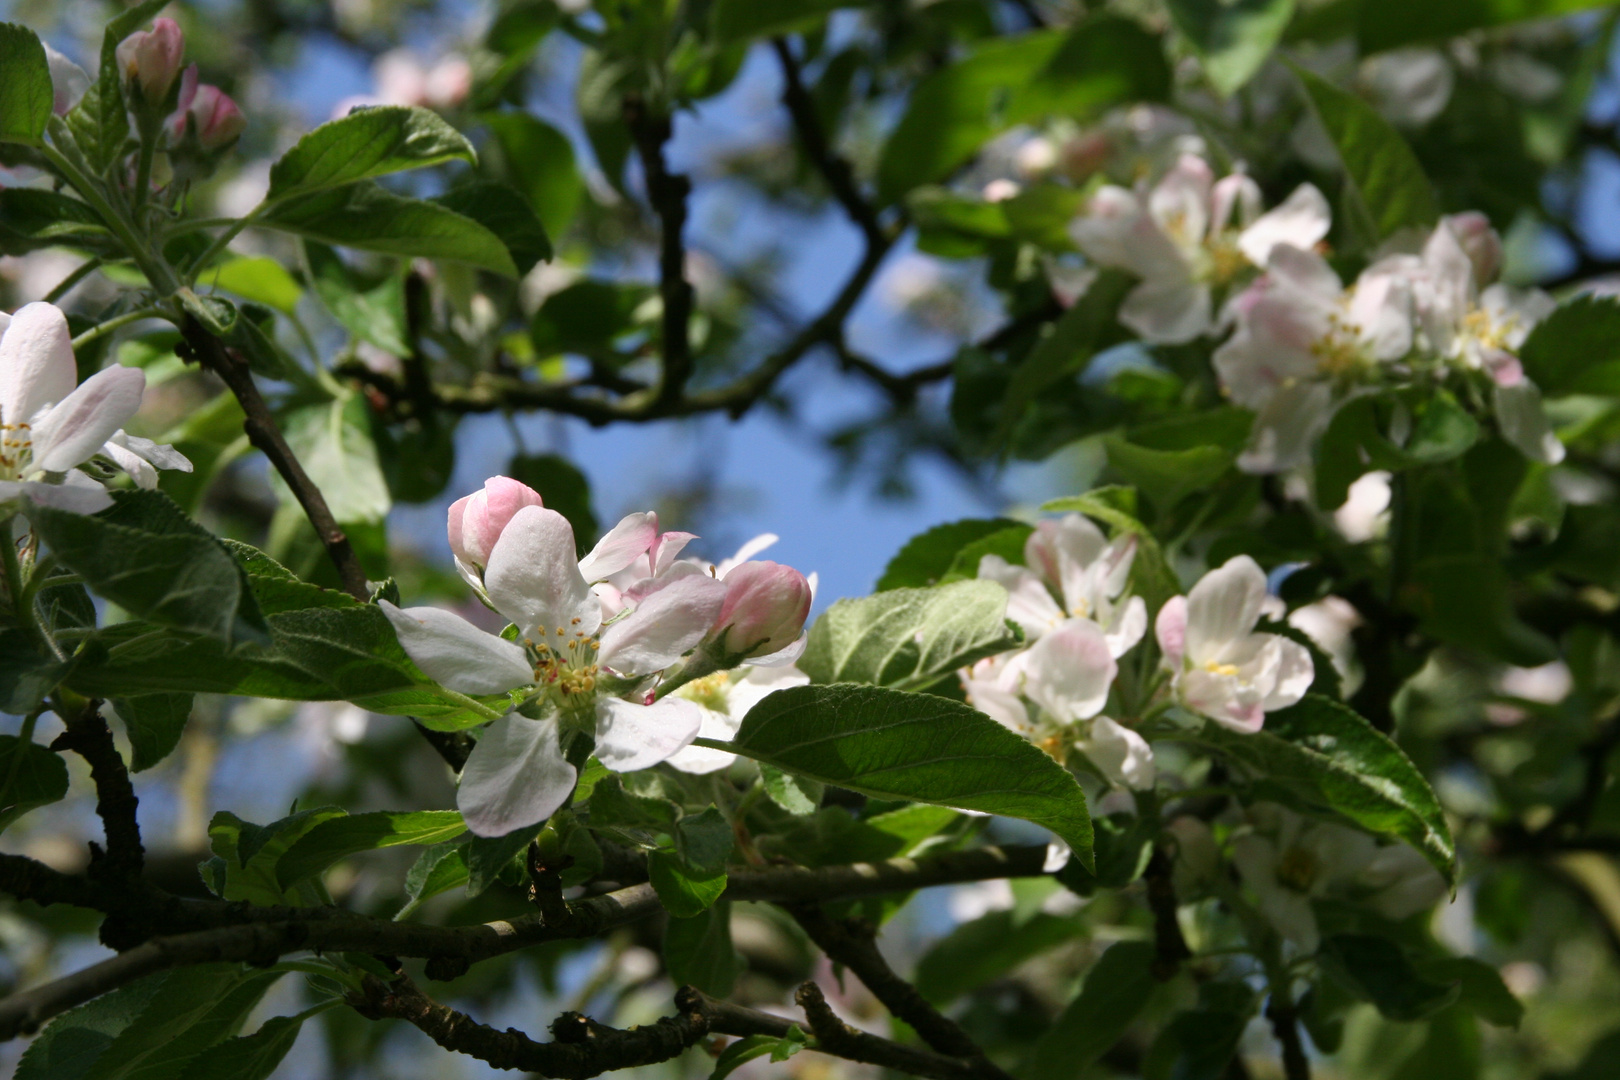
[50,423]
[594,648]
[1302,341]
[1070,599]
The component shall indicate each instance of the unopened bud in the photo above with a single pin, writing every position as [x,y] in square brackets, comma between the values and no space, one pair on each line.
[764,611]
[477,520]
[150,60]
[1481,243]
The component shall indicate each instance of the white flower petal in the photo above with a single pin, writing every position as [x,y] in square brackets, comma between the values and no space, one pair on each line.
[631,736]
[1301,221]
[139,469]
[788,654]
[1292,676]
[1524,423]
[1223,607]
[1285,429]
[1068,672]
[79,425]
[533,580]
[1029,601]
[746,552]
[456,654]
[36,362]
[1168,310]
[515,777]
[664,626]
[624,544]
[68,81]
[759,682]
[1129,624]
[1123,755]
[77,498]
[701,759]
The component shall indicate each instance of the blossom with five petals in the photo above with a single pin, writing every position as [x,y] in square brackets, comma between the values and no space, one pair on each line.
[1221,668]
[49,425]
[1187,235]
[518,773]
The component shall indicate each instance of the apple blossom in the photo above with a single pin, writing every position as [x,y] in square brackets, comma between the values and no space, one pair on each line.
[49,425]
[1073,571]
[725,698]
[1221,668]
[1186,236]
[68,81]
[1288,862]
[1301,338]
[764,611]
[208,112]
[150,60]
[476,520]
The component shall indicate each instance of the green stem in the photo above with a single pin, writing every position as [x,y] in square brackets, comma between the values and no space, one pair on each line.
[143,173]
[97,332]
[182,228]
[221,242]
[697,666]
[16,589]
[26,735]
[84,270]
[157,272]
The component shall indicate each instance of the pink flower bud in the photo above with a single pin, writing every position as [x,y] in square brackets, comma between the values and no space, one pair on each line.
[477,520]
[1484,248]
[150,59]
[218,121]
[765,608]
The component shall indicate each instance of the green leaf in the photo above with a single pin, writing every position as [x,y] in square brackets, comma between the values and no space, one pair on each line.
[1576,349]
[1388,24]
[908,638]
[698,951]
[191,996]
[371,307]
[99,123]
[220,1022]
[1195,1045]
[34,218]
[585,318]
[1009,81]
[249,1057]
[986,948]
[1166,476]
[1377,970]
[754,1046]
[539,162]
[504,212]
[30,776]
[154,723]
[1331,760]
[147,557]
[69,1045]
[1233,39]
[563,488]
[685,891]
[1064,349]
[26,96]
[792,793]
[1009,544]
[1116,990]
[333,440]
[351,834]
[928,555]
[1386,185]
[259,279]
[1356,441]
[249,853]
[367,142]
[745,20]
[704,840]
[438,869]
[917,747]
[1480,986]
[26,674]
[487,856]
[372,218]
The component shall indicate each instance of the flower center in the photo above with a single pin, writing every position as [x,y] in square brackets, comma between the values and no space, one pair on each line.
[1338,352]
[1297,869]
[1214,667]
[1483,327]
[568,665]
[16,450]
[1226,259]
[710,691]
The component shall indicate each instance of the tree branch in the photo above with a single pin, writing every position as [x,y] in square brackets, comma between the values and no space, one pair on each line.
[89,736]
[1285,1024]
[242,932]
[833,168]
[1170,947]
[835,1037]
[667,192]
[852,944]
[263,433]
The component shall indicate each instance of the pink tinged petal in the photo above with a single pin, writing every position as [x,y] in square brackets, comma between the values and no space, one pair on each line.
[1292,676]
[1287,427]
[1524,424]
[75,498]
[1223,607]
[1381,309]
[746,552]
[765,606]
[700,759]
[1029,602]
[1171,630]
[1236,196]
[624,544]
[1479,242]
[1072,537]
[1503,367]
[1302,220]
[453,520]
[188,95]
[515,777]
[533,580]
[667,625]
[665,547]
[68,81]
[1123,755]
[1128,627]
[631,736]
[456,654]
[1168,310]
[485,514]
[1068,672]
[1302,270]
[80,424]
[36,362]
[1000,704]
[1225,699]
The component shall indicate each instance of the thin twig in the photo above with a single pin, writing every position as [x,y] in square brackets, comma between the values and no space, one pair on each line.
[835,1037]
[1285,1024]
[1170,947]
[667,192]
[833,168]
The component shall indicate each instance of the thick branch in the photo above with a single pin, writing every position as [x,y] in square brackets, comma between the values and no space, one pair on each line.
[263,433]
[89,736]
[260,935]
[667,193]
[29,879]
[1170,947]
[852,944]
[833,168]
